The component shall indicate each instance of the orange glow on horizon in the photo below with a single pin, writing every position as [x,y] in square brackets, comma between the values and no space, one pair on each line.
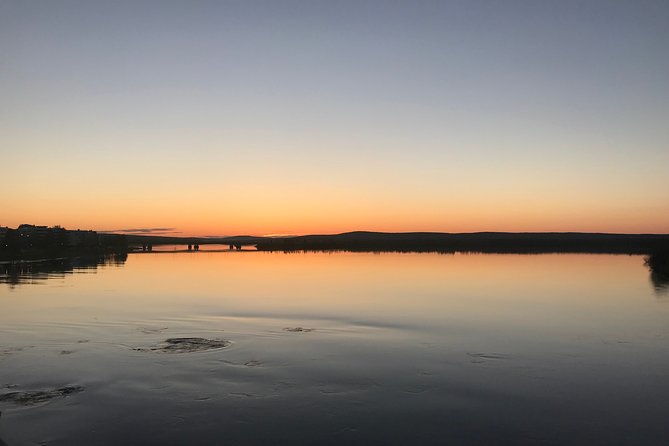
[261,210]
[204,228]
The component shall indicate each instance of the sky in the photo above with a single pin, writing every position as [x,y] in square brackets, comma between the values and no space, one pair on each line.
[294,117]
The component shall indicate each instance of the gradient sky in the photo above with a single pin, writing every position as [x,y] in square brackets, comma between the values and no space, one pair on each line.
[282,117]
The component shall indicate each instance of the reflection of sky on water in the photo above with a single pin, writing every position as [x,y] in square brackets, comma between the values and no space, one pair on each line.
[405,348]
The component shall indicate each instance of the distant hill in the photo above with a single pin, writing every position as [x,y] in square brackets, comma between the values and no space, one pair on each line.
[492,242]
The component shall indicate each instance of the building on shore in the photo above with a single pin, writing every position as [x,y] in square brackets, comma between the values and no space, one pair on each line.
[3,236]
[35,241]
[34,235]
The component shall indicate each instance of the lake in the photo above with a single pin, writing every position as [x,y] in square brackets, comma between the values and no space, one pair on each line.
[334,348]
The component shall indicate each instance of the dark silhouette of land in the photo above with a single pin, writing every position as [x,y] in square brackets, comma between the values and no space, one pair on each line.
[29,242]
[658,264]
[485,242]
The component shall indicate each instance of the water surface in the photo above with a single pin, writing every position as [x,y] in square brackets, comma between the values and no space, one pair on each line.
[336,348]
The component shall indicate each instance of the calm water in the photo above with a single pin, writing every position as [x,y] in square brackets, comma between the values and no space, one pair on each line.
[394,349]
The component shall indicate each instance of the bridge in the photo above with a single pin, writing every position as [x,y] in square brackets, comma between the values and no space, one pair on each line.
[191,244]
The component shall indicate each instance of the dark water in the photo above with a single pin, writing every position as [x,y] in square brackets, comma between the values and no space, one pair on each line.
[335,349]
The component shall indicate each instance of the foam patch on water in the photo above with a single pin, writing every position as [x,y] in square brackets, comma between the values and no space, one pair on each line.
[32,397]
[187,345]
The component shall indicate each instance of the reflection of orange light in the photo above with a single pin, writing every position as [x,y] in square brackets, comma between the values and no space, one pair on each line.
[520,290]
[258,292]
[299,275]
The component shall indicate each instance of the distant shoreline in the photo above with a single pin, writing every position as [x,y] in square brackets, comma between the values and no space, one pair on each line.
[29,241]
[485,242]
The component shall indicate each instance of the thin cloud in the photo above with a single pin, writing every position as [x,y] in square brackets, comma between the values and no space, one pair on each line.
[145,231]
